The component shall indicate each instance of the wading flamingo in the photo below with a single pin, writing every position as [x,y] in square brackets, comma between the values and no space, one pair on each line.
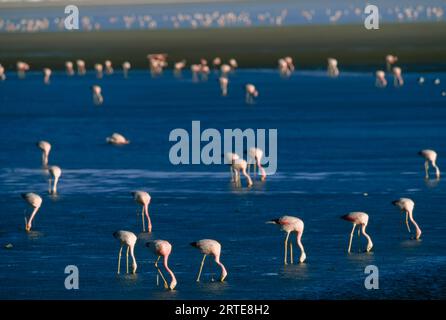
[283,68]
[224,85]
[397,77]
[97,95]
[46,75]
[179,66]
[407,205]
[290,63]
[210,247]
[233,63]
[143,198]
[125,68]
[290,224]
[225,69]
[126,238]
[256,155]
[380,81]
[22,67]
[237,166]
[163,248]
[117,139]
[195,69]
[251,93]
[430,156]
[69,68]
[34,201]
[55,173]
[332,67]
[2,73]
[108,67]
[98,68]
[390,61]
[216,62]
[362,219]
[45,146]
[81,70]
[230,158]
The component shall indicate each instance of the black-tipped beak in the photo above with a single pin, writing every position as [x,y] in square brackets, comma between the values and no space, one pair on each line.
[193,244]
[394,202]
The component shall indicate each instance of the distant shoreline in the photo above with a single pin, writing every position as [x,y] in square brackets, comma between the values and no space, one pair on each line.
[419,45]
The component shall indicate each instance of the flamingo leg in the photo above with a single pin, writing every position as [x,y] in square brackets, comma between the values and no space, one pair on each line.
[127,260]
[201,268]
[291,252]
[255,169]
[119,260]
[160,273]
[426,168]
[49,186]
[286,245]
[351,238]
[142,217]
[359,240]
[407,221]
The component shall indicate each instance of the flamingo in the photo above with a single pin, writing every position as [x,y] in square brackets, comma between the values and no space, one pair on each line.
[332,68]
[117,139]
[437,81]
[251,92]
[34,201]
[230,158]
[381,81]
[233,63]
[216,62]
[283,67]
[80,67]
[195,69]
[125,68]
[179,66]
[55,173]
[163,248]
[224,85]
[430,156]
[204,72]
[407,205]
[290,63]
[390,60]
[143,198]
[210,247]
[108,67]
[69,68]
[362,219]
[45,146]
[256,155]
[99,68]
[238,165]
[397,78]
[225,69]
[421,80]
[22,67]
[290,224]
[2,73]
[97,95]
[46,75]
[126,238]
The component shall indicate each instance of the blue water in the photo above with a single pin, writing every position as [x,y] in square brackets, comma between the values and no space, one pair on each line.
[337,140]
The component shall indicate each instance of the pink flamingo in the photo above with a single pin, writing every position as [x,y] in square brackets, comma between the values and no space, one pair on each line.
[46,75]
[55,173]
[22,67]
[69,68]
[143,198]
[81,70]
[256,155]
[163,248]
[2,73]
[225,69]
[407,205]
[290,63]
[99,68]
[290,224]
[283,68]
[332,68]
[45,146]
[97,95]
[381,81]
[34,201]
[390,60]
[237,166]
[224,85]
[216,62]
[251,93]
[126,238]
[179,66]
[362,219]
[210,247]
[397,77]
[430,156]
[108,67]
[233,63]
[125,68]
[117,139]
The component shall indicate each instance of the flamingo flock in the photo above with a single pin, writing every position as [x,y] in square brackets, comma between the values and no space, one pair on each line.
[238,167]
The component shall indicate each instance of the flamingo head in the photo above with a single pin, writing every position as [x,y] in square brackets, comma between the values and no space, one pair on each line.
[224,274]
[173,284]
[134,267]
[303,257]
[369,246]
